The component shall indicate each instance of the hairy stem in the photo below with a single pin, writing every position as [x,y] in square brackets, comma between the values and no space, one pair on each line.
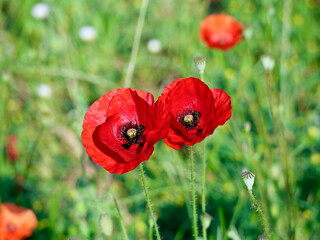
[203,192]
[194,210]
[143,180]
[260,213]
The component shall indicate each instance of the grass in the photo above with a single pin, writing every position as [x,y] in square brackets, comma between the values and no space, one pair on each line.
[65,189]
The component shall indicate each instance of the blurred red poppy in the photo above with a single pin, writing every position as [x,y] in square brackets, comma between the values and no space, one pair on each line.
[11,148]
[16,223]
[195,110]
[121,127]
[220,31]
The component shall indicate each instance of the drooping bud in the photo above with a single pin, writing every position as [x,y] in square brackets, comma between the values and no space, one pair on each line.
[11,149]
[200,63]
[248,178]
[106,225]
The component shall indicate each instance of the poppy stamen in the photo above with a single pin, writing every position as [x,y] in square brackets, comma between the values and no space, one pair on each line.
[189,119]
[11,228]
[131,133]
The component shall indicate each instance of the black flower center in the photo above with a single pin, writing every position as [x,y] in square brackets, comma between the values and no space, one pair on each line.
[189,119]
[11,228]
[131,133]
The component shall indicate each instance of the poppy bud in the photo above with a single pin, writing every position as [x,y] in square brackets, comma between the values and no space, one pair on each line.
[200,63]
[11,149]
[106,225]
[207,220]
[248,178]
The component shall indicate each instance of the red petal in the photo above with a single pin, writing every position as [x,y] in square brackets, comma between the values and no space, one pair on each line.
[95,118]
[222,104]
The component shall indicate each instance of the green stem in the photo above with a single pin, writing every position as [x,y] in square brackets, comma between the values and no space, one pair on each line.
[203,193]
[203,197]
[124,231]
[260,213]
[136,43]
[143,180]
[194,210]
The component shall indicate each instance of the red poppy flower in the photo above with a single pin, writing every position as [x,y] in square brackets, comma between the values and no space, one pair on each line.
[121,127]
[11,149]
[196,111]
[220,31]
[16,223]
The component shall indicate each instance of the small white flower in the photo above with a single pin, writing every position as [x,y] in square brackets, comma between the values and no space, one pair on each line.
[44,91]
[200,63]
[40,11]
[248,178]
[154,45]
[88,33]
[267,62]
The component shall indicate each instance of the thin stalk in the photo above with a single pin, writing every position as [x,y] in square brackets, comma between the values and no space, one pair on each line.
[283,160]
[136,43]
[259,176]
[31,154]
[143,180]
[194,210]
[124,231]
[203,183]
[150,232]
[260,213]
[203,192]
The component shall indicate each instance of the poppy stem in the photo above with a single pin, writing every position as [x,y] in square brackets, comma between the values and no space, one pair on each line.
[143,180]
[123,228]
[260,213]
[136,43]
[203,194]
[194,210]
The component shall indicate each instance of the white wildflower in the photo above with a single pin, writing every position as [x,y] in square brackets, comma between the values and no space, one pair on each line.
[44,91]
[154,45]
[88,33]
[40,11]
[267,62]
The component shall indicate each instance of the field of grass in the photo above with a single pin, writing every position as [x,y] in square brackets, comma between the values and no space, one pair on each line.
[54,176]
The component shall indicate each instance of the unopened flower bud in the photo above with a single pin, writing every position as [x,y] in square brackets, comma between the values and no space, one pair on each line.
[106,225]
[248,178]
[207,220]
[267,62]
[150,219]
[262,237]
[200,63]
[247,127]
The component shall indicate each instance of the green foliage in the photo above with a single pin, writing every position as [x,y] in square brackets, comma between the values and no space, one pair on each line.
[69,193]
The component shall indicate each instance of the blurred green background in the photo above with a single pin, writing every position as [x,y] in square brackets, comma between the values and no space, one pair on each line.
[68,192]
